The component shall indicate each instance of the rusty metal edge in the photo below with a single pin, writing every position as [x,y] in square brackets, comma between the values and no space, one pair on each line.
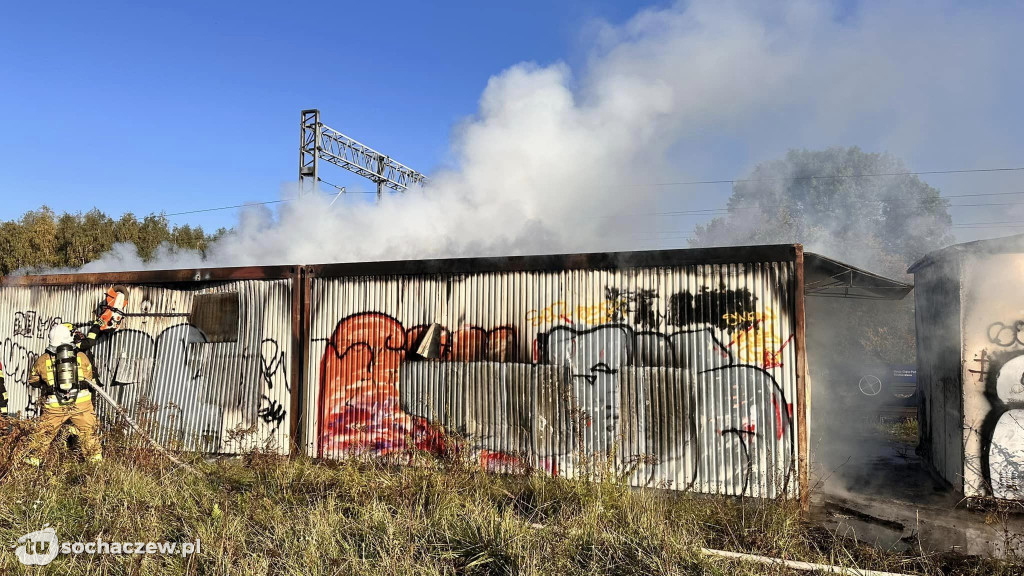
[594,260]
[307,297]
[307,393]
[154,276]
[298,360]
[802,392]
[554,262]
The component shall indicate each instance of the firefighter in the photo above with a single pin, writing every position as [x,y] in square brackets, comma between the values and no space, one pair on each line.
[65,375]
[108,317]
[3,394]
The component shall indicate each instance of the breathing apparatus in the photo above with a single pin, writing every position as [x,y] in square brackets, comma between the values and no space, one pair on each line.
[67,382]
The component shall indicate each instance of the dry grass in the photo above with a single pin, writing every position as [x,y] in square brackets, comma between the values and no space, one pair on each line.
[259,514]
[900,430]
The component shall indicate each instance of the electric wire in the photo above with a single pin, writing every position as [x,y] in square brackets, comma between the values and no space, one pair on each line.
[724,211]
[224,207]
[832,177]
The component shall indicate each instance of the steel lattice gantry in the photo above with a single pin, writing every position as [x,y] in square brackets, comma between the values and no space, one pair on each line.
[320,142]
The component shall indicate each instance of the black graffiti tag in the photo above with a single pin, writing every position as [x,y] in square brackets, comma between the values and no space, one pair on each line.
[271,412]
[30,324]
[1006,335]
[24,323]
[272,361]
[639,303]
[17,361]
[727,309]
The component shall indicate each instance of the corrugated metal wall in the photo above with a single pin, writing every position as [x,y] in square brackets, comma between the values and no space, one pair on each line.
[686,376]
[209,396]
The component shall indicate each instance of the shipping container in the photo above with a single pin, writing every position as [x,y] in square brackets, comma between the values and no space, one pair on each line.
[204,356]
[683,369]
[970,339]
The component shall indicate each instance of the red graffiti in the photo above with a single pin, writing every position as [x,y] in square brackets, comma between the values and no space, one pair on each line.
[359,401]
[774,359]
[494,461]
[360,407]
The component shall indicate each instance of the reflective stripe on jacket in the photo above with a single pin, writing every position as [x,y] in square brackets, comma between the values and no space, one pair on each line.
[43,371]
[84,395]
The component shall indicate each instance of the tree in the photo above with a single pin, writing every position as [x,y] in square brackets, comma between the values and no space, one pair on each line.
[823,199]
[881,223]
[153,231]
[41,240]
[81,239]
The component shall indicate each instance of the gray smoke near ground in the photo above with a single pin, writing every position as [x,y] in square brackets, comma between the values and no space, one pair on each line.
[555,159]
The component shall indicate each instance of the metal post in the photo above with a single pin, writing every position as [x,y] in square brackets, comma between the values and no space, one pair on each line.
[309,151]
[380,177]
[803,388]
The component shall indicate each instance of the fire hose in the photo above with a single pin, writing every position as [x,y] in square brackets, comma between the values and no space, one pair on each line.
[110,313]
[138,430]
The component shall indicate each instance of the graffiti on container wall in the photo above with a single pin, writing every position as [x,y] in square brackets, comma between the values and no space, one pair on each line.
[177,371]
[561,312]
[1000,373]
[636,304]
[360,409]
[187,379]
[1002,431]
[727,309]
[620,387]
[1006,335]
[17,360]
[31,324]
[273,364]
[270,411]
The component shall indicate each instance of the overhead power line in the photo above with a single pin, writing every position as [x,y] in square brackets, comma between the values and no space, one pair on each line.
[723,210]
[225,207]
[1019,222]
[832,177]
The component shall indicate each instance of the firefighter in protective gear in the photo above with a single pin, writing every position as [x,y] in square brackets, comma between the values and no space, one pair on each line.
[108,317]
[65,375]
[3,394]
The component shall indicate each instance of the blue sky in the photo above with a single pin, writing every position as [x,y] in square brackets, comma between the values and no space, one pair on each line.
[147,107]
[173,106]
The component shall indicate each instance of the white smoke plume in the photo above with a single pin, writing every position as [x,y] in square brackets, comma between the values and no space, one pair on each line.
[554,158]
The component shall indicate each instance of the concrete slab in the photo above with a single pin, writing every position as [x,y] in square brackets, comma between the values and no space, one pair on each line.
[878,490]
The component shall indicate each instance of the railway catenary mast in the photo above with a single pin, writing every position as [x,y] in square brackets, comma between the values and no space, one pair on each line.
[320,142]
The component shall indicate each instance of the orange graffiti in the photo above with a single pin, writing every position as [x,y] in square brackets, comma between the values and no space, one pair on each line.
[561,312]
[360,408]
[756,345]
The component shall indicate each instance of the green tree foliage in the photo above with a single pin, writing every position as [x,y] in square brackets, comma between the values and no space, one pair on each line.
[42,239]
[880,223]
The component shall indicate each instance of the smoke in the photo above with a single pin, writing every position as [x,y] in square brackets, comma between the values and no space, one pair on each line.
[558,160]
